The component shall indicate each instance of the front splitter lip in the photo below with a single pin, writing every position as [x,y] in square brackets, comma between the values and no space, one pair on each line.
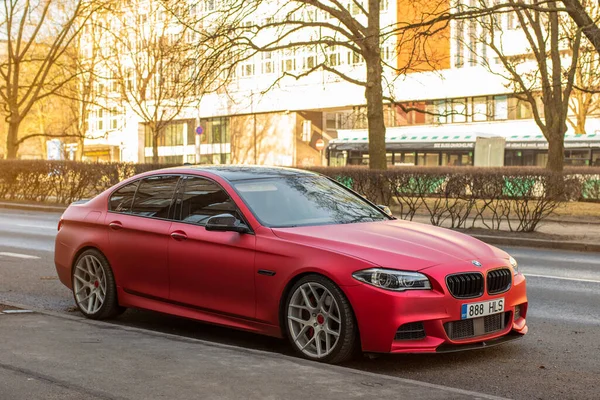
[453,347]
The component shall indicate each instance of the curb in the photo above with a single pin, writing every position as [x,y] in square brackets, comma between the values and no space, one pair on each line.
[33,207]
[260,353]
[539,243]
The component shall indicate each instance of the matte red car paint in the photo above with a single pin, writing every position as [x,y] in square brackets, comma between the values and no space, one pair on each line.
[213,276]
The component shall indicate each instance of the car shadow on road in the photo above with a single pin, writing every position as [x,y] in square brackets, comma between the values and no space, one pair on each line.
[386,363]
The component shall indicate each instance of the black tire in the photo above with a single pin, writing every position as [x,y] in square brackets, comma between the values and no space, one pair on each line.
[110,307]
[345,347]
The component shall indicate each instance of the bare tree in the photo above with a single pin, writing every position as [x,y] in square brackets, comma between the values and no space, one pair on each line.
[344,39]
[38,33]
[538,58]
[585,98]
[589,24]
[152,62]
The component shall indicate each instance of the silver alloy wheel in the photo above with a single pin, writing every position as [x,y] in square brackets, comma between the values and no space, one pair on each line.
[89,284]
[314,320]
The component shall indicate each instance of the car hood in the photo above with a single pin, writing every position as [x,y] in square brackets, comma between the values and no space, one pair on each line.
[393,244]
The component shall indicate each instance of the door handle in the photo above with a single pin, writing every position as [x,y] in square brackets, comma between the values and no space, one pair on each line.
[179,236]
[115,225]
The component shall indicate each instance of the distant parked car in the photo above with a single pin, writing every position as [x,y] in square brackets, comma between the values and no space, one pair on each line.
[287,253]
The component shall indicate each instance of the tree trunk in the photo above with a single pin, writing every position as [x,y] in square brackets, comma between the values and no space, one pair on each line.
[556,150]
[374,96]
[12,144]
[154,134]
[374,89]
[580,126]
[80,149]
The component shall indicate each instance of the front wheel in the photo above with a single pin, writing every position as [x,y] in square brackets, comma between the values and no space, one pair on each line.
[319,320]
[94,287]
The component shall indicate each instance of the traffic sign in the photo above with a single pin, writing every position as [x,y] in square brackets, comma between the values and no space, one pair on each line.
[320,144]
[199,130]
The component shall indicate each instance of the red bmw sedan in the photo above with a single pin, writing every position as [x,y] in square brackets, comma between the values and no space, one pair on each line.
[287,253]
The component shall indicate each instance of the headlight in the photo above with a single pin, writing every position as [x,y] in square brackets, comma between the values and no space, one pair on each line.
[514,264]
[390,279]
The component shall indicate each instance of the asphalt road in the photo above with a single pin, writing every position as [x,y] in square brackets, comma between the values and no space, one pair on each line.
[559,359]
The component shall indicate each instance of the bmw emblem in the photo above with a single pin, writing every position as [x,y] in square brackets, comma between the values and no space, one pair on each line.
[476,263]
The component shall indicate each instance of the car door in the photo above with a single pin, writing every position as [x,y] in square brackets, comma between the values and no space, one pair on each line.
[138,233]
[207,269]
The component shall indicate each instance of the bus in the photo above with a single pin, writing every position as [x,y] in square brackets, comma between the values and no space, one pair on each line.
[459,149]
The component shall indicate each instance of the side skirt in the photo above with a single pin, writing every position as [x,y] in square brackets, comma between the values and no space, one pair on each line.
[127,299]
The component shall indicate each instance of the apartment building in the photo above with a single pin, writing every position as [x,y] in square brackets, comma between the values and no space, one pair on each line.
[453,92]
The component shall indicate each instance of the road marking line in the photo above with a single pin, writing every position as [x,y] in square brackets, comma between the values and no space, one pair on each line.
[17,255]
[17,311]
[563,278]
[35,226]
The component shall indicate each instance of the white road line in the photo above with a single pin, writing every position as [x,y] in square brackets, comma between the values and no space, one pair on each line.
[35,226]
[561,278]
[17,255]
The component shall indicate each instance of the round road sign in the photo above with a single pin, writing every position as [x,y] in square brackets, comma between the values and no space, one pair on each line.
[320,144]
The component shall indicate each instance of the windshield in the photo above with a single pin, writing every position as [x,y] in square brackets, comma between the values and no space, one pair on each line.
[304,200]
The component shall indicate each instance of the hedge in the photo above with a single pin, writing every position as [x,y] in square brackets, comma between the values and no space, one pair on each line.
[460,197]
[62,182]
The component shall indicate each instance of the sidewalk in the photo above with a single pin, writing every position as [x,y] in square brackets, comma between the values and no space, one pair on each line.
[51,356]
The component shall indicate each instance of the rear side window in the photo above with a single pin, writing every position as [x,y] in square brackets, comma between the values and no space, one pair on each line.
[154,196]
[122,200]
[202,199]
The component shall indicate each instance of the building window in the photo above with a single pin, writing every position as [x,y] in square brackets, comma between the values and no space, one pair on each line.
[355,58]
[247,69]
[440,111]
[524,110]
[500,107]
[267,66]
[216,131]
[333,56]
[288,62]
[480,109]
[458,40]
[459,110]
[354,7]
[472,43]
[384,5]
[310,59]
[169,135]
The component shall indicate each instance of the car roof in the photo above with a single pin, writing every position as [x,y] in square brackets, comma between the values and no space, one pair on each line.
[245,172]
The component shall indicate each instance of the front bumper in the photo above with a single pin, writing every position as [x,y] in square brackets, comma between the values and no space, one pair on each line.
[380,313]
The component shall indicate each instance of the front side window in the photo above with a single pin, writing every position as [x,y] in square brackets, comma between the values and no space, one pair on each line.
[202,199]
[154,196]
[303,201]
[122,200]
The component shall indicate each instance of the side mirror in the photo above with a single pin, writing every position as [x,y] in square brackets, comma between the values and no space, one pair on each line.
[225,223]
[385,209]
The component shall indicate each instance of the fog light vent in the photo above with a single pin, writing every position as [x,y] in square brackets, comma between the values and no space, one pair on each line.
[517,312]
[410,331]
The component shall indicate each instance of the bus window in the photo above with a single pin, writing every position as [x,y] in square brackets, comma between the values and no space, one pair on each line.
[541,159]
[577,157]
[390,159]
[596,158]
[428,159]
[409,159]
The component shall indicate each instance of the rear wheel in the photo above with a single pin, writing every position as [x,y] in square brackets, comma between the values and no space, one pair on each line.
[94,287]
[319,320]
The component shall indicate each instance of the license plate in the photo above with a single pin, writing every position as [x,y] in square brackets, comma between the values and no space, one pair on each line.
[475,310]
